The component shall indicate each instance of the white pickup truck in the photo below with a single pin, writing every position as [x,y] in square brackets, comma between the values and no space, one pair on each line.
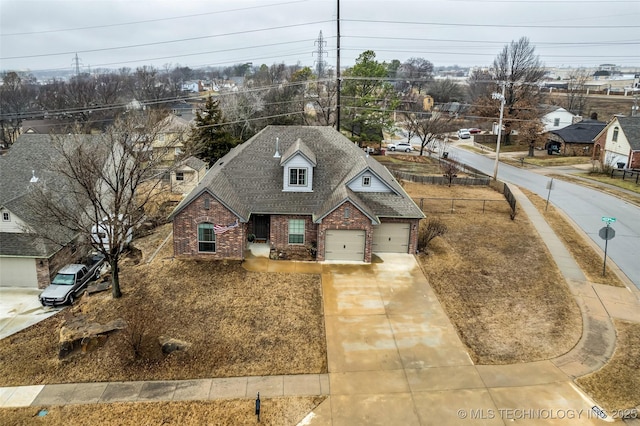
[71,280]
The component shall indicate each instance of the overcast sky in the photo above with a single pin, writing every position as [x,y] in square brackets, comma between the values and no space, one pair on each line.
[46,34]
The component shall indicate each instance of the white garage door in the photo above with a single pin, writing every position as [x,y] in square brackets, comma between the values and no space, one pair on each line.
[391,238]
[18,272]
[344,245]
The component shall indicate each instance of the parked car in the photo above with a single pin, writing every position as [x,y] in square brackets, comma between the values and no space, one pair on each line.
[474,130]
[71,281]
[464,134]
[400,146]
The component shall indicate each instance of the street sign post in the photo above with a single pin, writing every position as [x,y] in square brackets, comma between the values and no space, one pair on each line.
[549,187]
[606,233]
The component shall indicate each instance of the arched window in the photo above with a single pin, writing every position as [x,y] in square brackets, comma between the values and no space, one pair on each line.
[615,134]
[206,238]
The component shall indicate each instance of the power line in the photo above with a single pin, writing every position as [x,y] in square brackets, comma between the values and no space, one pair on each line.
[491,25]
[104,49]
[151,20]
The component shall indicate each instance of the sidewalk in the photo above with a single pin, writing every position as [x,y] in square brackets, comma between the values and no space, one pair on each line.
[170,390]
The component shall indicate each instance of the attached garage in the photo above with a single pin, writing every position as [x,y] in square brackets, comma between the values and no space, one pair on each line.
[391,238]
[18,272]
[344,244]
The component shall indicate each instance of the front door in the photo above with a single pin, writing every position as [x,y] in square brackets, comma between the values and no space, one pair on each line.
[261,227]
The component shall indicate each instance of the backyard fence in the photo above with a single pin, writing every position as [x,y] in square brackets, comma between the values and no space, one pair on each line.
[626,174]
[443,180]
[433,205]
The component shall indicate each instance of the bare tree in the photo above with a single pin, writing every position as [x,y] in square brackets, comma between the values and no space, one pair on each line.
[446,90]
[16,97]
[417,71]
[520,70]
[101,184]
[427,126]
[576,100]
[450,169]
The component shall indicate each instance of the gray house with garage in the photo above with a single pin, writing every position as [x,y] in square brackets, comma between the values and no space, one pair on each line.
[296,187]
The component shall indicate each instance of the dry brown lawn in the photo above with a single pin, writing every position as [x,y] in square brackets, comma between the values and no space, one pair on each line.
[616,386]
[239,323]
[497,281]
[584,254]
[276,411]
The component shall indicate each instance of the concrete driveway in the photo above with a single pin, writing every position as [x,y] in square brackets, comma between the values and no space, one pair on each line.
[19,309]
[395,358]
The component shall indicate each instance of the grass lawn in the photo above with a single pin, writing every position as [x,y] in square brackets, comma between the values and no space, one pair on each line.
[417,165]
[545,160]
[616,386]
[276,411]
[239,323]
[582,251]
[627,184]
[497,282]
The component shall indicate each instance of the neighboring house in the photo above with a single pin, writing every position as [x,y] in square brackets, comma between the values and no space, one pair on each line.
[575,139]
[26,258]
[172,133]
[187,174]
[618,144]
[297,187]
[556,119]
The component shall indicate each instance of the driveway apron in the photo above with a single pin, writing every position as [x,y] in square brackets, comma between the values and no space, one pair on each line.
[395,358]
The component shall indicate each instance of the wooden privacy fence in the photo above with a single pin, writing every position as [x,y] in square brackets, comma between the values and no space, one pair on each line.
[443,180]
[461,205]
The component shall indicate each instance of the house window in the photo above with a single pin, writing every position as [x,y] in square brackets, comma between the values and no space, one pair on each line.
[6,217]
[207,204]
[556,122]
[298,177]
[296,231]
[161,137]
[206,238]
[177,151]
[347,212]
[366,180]
[179,175]
[615,134]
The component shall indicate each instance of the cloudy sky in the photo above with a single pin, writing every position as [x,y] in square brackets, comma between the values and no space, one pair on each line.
[47,34]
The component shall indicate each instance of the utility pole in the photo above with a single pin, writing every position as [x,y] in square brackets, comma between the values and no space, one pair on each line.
[502,101]
[338,71]
[320,54]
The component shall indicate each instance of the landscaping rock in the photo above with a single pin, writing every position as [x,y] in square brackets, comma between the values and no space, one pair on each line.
[77,333]
[170,345]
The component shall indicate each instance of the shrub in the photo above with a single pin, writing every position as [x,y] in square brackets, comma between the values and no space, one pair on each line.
[435,227]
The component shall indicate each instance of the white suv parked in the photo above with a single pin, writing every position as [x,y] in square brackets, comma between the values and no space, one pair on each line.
[400,146]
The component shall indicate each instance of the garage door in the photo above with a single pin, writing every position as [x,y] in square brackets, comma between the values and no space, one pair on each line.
[344,245]
[391,238]
[18,272]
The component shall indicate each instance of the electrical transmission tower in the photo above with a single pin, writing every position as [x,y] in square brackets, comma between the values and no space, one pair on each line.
[320,54]
[76,64]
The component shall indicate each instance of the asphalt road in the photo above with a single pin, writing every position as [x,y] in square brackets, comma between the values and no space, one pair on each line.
[584,205]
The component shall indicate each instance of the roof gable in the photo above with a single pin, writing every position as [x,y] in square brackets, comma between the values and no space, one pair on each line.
[249,178]
[631,128]
[584,131]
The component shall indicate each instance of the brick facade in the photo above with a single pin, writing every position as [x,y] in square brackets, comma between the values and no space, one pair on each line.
[229,245]
[232,244]
[279,232]
[356,220]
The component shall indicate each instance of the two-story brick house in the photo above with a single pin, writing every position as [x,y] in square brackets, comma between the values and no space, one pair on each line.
[295,187]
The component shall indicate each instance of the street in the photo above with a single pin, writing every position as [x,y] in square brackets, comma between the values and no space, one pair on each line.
[585,206]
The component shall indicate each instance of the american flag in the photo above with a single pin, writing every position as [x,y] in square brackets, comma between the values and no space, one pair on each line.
[221,229]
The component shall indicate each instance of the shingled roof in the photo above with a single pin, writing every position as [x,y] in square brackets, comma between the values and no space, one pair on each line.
[583,131]
[631,128]
[30,156]
[248,180]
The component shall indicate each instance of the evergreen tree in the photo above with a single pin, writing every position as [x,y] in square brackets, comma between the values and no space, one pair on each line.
[210,139]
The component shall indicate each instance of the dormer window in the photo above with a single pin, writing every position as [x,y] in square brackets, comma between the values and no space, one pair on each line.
[298,177]
[366,180]
[6,217]
[615,134]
